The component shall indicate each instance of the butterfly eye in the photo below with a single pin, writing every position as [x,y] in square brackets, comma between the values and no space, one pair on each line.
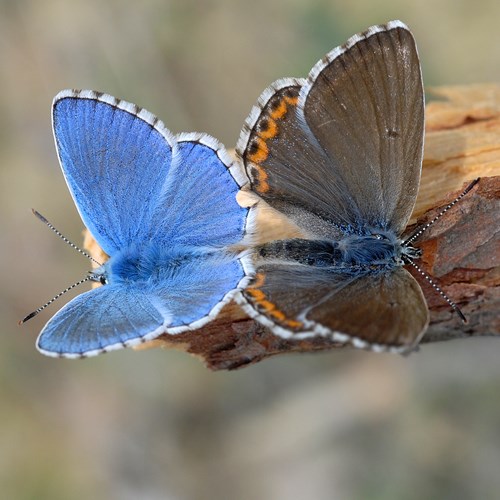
[380,237]
[103,280]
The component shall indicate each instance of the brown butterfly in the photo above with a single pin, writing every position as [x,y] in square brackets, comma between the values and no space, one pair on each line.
[340,154]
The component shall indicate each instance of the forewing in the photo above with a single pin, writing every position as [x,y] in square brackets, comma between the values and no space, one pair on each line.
[115,157]
[364,103]
[198,204]
[344,147]
[379,311]
[104,319]
[285,164]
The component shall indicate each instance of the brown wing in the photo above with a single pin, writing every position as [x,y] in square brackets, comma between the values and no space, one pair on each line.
[375,310]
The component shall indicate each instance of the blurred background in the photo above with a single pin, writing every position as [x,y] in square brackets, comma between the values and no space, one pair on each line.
[156,424]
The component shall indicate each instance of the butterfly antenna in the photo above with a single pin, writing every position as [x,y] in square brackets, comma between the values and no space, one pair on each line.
[420,230]
[72,245]
[438,289]
[41,308]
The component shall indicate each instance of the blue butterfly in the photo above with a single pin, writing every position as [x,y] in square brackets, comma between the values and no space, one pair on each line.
[164,209]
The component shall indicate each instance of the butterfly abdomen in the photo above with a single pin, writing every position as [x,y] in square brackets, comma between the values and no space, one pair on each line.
[310,252]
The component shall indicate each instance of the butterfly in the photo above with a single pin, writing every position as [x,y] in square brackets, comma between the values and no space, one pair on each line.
[340,154]
[163,207]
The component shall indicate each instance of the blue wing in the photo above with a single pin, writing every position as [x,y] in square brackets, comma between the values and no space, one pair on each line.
[130,181]
[108,318]
[198,206]
[194,292]
[115,158]
[183,297]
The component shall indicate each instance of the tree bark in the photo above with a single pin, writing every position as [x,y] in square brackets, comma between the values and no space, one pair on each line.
[461,251]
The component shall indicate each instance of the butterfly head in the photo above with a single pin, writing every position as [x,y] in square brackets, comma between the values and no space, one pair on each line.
[99,275]
[409,252]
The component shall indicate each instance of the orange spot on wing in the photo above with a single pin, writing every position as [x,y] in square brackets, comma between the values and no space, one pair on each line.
[268,307]
[262,184]
[270,132]
[261,152]
[292,323]
[280,111]
[260,142]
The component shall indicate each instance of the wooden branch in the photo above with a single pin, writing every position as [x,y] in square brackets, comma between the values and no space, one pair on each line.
[462,250]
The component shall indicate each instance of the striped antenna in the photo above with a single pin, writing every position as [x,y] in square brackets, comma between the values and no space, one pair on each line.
[72,245]
[91,276]
[420,230]
[41,308]
[437,288]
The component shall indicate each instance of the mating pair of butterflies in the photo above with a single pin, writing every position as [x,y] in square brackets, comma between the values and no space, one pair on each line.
[338,153]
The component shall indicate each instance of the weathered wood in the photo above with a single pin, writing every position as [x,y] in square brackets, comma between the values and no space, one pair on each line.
[461,251]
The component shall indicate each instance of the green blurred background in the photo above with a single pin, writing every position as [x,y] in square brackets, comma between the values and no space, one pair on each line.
[156,424]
